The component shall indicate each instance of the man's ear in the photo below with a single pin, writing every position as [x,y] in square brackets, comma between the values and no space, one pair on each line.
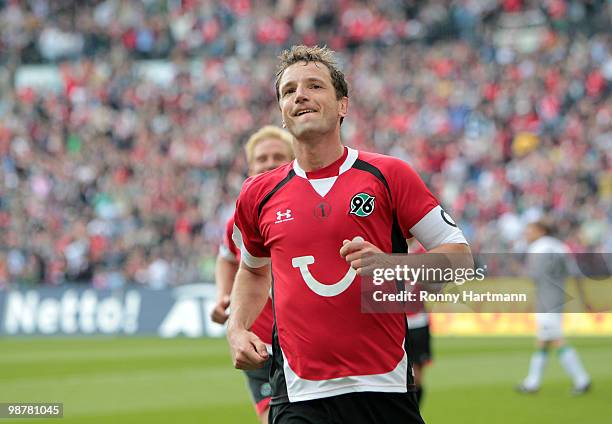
[343,107]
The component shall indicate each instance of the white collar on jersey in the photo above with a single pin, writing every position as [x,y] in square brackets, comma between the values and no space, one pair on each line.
[323,185]
[351,157]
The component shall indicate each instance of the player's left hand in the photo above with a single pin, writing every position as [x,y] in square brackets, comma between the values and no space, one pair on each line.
[356,252]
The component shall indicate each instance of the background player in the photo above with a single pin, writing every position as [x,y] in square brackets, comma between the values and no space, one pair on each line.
[549,264]
[265,150]
[314,221]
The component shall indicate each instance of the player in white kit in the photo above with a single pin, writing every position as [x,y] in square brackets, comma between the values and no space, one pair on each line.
[549,264]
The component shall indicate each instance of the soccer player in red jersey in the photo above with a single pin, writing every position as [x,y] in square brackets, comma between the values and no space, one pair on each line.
[315,220]
[265,150]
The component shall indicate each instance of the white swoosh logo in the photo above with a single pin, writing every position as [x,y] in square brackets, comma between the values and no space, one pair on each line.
[325,290]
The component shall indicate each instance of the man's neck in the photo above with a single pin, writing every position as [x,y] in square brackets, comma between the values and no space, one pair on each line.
[316,154]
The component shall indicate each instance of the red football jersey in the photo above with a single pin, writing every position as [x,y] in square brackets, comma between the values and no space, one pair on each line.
[323,344]
[262,326]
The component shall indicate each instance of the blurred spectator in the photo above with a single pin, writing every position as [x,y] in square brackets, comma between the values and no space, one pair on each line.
[117,171]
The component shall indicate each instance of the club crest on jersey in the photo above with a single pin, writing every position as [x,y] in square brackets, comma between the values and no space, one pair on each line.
[283,216]
[362,204]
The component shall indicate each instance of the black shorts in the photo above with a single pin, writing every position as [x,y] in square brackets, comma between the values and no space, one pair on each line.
[419,345]
[259,386]
[351,408]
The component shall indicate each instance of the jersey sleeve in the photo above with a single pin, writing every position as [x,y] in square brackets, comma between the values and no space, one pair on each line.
[246,233]
[419,212]
[228,249]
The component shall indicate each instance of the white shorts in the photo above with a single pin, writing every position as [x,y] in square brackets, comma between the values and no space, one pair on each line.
[549,326]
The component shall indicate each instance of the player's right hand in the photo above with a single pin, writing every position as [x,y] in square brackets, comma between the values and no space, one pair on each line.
[219,313]
[248,351]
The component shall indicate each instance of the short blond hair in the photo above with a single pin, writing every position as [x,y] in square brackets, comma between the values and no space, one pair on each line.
[269,131]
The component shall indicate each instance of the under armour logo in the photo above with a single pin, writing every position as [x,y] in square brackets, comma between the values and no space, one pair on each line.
[283,216]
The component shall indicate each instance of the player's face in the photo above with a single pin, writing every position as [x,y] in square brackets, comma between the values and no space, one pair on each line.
[308,100]
[532,233]
[268,154]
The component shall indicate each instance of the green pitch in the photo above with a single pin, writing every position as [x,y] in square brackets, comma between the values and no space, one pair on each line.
[138,380]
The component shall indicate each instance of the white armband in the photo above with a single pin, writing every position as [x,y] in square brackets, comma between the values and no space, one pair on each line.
[436,228]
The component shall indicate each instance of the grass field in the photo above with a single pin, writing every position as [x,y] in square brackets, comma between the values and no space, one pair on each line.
[142,380]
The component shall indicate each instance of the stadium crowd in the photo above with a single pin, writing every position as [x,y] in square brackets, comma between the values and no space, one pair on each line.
[127,169]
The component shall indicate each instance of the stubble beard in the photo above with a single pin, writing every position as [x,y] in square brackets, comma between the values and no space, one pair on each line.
[310,130]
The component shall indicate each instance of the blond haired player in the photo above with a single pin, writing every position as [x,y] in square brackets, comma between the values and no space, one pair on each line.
[265,150]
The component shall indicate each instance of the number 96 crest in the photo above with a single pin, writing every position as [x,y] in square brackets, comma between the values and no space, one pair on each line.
[362,204]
